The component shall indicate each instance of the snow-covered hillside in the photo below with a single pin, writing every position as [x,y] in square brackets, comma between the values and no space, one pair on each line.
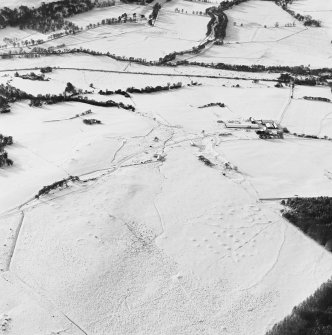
[173,225]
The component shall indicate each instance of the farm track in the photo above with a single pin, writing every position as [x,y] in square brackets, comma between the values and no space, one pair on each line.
[268,41]
[144,73]
[326,117]
[284,111]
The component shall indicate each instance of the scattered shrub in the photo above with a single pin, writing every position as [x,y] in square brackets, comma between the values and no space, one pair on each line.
[91,121]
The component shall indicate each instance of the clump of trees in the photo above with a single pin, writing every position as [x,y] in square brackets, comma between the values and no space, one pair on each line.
[46,69]
[155,11]
[4,105]
[311,317]
[9,94]
[286,78]
[320,75]
[306,81]
[312,215]
[123,18]
[5,140]
[91,121]
[35,103]
[317,99]
[32,76]
[58,184]
[205,160]
[4,159]
[70,89]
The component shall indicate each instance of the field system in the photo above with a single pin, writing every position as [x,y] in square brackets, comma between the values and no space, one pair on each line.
[141,191]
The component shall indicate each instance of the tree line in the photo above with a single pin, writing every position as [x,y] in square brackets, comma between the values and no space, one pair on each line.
[322,74]
[147,89]
[312,215]
[311,317]
[11,94]
[58,184]
[306,19]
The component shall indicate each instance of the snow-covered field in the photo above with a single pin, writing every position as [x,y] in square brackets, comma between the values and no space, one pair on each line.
[189,7]
[151,240]
[157,245]
[18,35]
[175,243]
[99,14]
[172,32]
[318,9]
[252,43]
